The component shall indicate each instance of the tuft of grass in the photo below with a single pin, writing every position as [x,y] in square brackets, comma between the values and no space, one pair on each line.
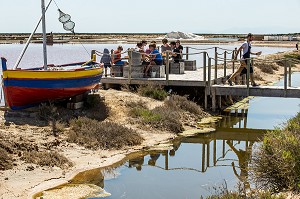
[50,159]
[161,117]
[267,67]
[276,165]
[6,161]
[155,92]
[181,102]
[95,107]
[105,135]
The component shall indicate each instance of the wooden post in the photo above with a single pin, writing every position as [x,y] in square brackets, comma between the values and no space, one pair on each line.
[205,97]
[290,72]
[167,66]
[285,77]
[187,53]
[209,75]
[204,66]
[208,154]
[215,152]
[130,65]
[225,63]
[213,97]
[248,75]
[233,60]
[203,158]
[216,64]
[93,52]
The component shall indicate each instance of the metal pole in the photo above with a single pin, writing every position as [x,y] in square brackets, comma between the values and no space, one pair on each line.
[187,53]
[44,33]
[29,39]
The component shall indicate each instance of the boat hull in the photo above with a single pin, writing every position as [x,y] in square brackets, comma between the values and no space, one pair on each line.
[26,88]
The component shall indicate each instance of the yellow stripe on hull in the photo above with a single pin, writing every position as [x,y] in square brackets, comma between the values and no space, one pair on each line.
[31,74]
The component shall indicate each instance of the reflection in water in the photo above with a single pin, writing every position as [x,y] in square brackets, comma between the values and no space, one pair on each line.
[192,167]
[243,158]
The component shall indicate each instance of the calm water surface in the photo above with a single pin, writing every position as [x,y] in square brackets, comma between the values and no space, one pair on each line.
[68,53]
[194,165]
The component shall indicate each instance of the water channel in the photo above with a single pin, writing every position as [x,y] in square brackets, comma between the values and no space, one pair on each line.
[192,166]
[198,164]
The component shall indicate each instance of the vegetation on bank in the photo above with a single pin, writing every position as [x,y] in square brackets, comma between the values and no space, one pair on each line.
[104,135]
[276,165]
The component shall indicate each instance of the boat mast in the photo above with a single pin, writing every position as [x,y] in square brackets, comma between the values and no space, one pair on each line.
[44,33]
[29,39]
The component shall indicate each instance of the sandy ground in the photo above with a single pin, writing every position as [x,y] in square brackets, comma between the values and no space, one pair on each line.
[25,179]
[22,182]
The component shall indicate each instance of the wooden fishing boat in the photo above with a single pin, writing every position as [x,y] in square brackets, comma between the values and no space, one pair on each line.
[24,88]
[28,87]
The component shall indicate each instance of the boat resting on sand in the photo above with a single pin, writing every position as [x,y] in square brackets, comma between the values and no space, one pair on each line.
[25,88]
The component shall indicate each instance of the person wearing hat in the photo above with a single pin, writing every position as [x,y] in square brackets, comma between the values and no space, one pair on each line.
[246,47]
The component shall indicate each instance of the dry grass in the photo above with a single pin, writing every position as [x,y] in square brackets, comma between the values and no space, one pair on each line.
[105,135]
[267,67]
[6,161]
[181,102]
[45,158]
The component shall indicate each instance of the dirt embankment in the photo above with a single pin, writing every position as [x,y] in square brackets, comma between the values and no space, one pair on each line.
[35,160]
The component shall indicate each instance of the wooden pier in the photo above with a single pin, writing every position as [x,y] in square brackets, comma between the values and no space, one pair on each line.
[211,79]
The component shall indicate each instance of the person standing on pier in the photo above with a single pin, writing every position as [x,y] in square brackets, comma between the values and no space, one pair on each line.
[246,47]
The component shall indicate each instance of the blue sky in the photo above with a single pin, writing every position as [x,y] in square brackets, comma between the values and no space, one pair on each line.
[138,16]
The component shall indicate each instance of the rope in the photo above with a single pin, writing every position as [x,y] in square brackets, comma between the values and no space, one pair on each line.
[56,4]
[202,48]
[224,49]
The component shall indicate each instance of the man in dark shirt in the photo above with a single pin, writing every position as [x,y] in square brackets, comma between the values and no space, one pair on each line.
[175,52]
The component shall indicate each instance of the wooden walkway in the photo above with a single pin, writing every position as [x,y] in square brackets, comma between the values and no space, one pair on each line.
[212,79]
[189,78]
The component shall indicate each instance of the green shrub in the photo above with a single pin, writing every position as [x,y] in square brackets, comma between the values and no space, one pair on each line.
[155,92]
[105,135]
[161,117]
[276,165]
[293,56]
[146,115]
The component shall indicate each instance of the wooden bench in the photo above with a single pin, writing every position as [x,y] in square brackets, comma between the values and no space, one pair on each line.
[137,71]
[176,68]
[190,65]
[117,70]
[160,71]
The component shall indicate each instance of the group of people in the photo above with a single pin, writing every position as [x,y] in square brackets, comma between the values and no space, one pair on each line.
[150,56]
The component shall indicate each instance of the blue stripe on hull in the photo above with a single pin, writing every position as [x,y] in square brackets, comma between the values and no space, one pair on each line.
[53,83]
